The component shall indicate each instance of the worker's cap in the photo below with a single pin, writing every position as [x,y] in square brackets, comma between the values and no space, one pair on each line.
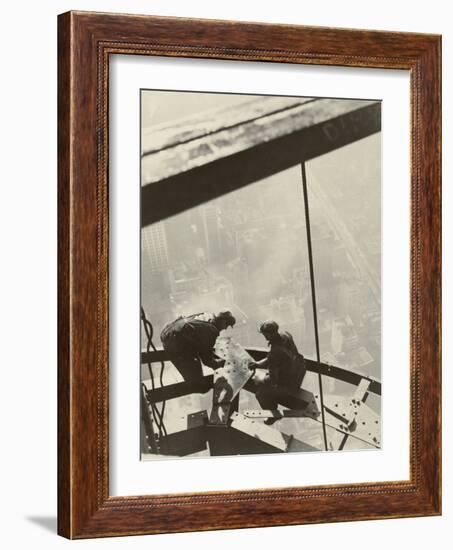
[228,317]
[269,327]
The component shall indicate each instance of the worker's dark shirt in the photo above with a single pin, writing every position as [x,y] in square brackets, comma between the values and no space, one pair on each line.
[280,360]
[192,336]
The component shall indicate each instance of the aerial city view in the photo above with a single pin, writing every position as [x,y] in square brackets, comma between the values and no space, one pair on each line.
[246,252]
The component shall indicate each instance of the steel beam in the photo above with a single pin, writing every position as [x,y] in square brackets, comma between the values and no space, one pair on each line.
[173,391]
[182,175]
[338,373]
[188,441]
[233,376]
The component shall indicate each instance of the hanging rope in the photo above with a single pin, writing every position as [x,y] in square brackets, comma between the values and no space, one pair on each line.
[313,297]
[147,421]
[150,345]
[157,415]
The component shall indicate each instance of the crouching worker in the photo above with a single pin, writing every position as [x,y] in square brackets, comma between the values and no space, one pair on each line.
[285,366]
[189,342]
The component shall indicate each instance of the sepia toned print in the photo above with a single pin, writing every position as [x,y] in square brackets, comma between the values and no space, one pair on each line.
[260,274]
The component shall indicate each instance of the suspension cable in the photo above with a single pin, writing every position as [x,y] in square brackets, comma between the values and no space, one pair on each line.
[313,297]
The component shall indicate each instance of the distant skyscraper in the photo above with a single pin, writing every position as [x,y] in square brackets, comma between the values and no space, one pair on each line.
[155,247]
[344,337]
[212,230]
[348,301]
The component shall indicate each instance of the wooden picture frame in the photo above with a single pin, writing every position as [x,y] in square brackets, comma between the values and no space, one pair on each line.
[85,42]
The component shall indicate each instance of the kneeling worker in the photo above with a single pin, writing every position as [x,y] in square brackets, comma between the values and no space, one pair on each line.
[189,342]
[285,366]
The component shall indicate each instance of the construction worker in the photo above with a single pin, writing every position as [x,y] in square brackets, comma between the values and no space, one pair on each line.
[285,366]
[189,342]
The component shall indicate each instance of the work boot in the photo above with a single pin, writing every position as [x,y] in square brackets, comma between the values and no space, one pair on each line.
[270,421]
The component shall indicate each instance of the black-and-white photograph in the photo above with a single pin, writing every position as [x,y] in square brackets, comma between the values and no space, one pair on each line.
[260,274]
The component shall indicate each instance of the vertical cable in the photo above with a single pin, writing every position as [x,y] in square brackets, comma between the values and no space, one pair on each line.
[313,297]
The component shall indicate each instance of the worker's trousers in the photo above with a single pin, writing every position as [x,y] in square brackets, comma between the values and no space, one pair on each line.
[267,394]
[188,366]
